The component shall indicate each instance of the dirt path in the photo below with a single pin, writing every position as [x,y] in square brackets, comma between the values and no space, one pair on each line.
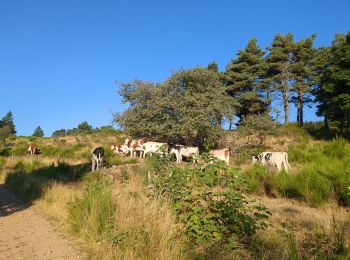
[24,234]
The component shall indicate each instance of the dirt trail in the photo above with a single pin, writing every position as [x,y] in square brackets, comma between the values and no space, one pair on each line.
[24,234]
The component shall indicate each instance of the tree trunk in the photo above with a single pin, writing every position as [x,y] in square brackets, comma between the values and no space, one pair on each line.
[286,105]
[300,114]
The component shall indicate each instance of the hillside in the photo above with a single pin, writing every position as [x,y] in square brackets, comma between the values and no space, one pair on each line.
[119,213]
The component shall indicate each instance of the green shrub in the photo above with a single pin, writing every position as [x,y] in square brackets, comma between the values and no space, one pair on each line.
[210,216]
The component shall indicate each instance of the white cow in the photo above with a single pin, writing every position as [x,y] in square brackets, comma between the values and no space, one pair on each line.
[188,151]
[275,159]
[154,147]
[221,154]
[175,151]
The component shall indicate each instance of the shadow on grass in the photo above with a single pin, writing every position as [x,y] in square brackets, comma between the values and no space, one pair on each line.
[29,184]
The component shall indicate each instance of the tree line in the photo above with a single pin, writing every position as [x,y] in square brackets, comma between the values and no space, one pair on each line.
[191,105]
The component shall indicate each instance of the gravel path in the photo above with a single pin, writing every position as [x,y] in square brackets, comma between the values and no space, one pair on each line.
[24,234]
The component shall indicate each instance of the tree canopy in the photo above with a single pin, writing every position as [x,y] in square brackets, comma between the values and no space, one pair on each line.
[187,108]
[38,132]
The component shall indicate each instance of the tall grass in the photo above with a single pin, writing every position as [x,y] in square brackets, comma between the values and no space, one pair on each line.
[323,171]
[126,224]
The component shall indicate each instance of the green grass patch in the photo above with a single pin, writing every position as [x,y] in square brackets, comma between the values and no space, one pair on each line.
[91,215]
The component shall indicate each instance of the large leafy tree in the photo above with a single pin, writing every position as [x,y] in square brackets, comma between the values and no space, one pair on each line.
[243,78]
[302,74]
[185,108]
[279,67]
[334,92]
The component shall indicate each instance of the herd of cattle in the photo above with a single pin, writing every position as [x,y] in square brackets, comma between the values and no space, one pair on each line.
[181,152]
[139,146]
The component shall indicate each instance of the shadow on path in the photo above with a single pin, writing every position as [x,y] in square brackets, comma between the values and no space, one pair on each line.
[9,204]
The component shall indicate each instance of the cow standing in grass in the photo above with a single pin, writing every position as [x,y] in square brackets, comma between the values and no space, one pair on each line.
[154,147]
[276,159]
[134,146]
[32,149]
[221,154]
[187,152]
[97,158]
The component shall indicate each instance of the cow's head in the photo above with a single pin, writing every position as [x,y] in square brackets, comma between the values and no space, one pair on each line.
[255,159]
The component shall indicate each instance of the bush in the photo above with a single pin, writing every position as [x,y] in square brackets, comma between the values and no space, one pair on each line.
[209,201]
[259,124]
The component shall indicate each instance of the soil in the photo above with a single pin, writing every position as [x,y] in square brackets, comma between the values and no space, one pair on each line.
[25,234]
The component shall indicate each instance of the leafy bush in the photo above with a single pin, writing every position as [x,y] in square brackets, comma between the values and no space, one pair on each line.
[259,124]
[209,201]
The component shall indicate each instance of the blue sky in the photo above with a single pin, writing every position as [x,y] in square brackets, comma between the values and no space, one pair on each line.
[59,59]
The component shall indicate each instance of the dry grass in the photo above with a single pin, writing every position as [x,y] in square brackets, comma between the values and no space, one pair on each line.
[314,232]
[147,227]
[55,199]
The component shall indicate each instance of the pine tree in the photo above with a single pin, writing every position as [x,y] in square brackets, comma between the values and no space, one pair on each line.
[38,132]
[278,67]
[243,76]
[334,92]
[7,121]
[302,75]
[320,62]
[213,66]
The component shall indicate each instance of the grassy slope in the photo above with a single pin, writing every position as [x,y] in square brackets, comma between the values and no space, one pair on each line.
[138,227]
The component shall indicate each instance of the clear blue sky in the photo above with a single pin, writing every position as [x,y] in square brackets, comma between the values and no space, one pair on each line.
[59,58]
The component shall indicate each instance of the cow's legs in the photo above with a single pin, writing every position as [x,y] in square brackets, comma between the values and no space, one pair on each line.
[278,165]
[93,165]
[285,164]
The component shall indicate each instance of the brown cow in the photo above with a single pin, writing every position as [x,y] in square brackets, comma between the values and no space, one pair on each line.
[32,149]
[221,154]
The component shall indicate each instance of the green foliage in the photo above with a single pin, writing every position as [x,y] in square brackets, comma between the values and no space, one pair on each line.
[260,124]
[59,133]
[92,213]
[7,122]
[278,67]
[243,78]
[333,93]
[180,110]
[209,201]
[5,132]
[38,132]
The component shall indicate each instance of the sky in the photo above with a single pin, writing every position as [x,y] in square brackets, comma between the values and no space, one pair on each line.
[60,59]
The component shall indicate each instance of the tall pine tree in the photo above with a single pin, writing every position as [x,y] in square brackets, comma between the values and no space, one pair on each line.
[334,92]
[302,75]
[278,67]
[7,121]
[242,78]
